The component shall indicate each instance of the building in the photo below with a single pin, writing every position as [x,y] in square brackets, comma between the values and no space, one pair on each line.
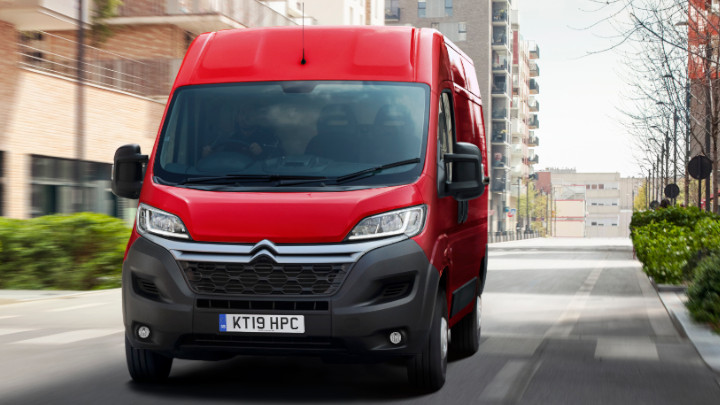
[128,72]
[341,12]
[592,204]
[488,32]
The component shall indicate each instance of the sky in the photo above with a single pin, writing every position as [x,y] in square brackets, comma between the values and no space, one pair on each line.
[580,94]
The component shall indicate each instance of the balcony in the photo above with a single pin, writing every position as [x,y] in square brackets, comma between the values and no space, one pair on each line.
[499,37]
[500,62]
[499,113]
[499,85]
[534,51]
[533,141]
[534,105]
[499,13]
[200,16]
[392,13]
[534,87]
[42,15]
[498,185]
[534,69]
[499,161]
[518,127]
[535,159]
[48,53]
[534,123]
[499,136]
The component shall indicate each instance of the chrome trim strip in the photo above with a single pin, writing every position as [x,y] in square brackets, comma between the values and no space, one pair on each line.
[282,254]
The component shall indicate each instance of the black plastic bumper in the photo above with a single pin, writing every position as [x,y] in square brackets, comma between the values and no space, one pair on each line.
[390,288]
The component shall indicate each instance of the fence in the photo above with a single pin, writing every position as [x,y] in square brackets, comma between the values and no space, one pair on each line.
[507,236]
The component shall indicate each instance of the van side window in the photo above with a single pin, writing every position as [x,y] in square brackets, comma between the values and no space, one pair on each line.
[446,134]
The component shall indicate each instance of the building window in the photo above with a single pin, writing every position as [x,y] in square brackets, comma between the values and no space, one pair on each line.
[435,25]
[53,185]
[462,31]
[422,8]
[448,8]
[392,10]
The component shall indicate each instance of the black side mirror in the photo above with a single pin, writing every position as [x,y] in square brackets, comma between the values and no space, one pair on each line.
[468,180]
[127,171]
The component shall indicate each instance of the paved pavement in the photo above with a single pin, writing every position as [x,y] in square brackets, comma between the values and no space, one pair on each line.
[706,342]
[564,322]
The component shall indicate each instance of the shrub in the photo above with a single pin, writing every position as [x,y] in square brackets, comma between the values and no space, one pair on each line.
[74,252]
[704,293]
[664,250]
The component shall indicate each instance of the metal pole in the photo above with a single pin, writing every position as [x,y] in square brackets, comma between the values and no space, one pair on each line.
[517,227]
[80,112]
[687,140]
[527,207]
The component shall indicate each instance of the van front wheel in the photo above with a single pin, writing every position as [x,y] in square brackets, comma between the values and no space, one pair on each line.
[466,333]
[146,365]
[426,370]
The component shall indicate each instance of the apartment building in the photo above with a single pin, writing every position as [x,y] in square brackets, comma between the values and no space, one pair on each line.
[43,143]
[592,204]
[487,30]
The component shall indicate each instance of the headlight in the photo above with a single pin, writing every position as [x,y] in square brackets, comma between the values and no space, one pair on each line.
[159,222]
[408,221]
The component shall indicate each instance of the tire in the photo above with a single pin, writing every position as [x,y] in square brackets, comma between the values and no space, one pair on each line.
[426,370]
[146,365]
[466,333]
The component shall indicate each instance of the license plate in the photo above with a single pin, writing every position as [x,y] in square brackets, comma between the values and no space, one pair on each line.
[262,323]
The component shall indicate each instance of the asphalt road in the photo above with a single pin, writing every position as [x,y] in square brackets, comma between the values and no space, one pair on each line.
[564,323]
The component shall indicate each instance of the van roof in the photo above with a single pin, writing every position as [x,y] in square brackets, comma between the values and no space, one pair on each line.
[331,53]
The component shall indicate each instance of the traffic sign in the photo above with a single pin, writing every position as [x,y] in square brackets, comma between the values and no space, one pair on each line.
[672,190]
[700,167]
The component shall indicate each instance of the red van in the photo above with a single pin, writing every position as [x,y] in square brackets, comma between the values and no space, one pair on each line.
[314,192]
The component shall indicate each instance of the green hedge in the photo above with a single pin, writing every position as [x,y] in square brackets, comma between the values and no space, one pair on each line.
[67,252]
[704,293]
[682,245]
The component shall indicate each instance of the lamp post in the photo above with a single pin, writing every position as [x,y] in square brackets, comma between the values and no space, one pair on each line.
[80,112]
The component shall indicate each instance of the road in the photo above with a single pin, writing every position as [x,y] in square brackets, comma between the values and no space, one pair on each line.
[565,322]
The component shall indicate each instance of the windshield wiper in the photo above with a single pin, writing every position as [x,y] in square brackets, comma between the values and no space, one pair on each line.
[234,178]
[373,170]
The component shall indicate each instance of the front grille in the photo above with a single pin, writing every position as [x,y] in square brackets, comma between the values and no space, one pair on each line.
[230,341]
[265,277]
[306,306]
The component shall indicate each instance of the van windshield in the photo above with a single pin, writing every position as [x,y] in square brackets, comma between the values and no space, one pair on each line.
[308,134]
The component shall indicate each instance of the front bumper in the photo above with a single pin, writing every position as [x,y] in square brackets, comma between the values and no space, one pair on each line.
[389,286]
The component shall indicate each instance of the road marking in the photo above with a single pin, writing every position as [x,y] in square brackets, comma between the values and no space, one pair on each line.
[8,316]
[10,331]
[500,386]
[512,346]
[97,304]
[70,337]
[626,348]
[565,324]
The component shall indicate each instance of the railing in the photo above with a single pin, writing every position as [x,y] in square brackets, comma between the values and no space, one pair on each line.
[499,15]
[250,13]
[499,87]
[533,51]
[392,13]
[534,122]
[534,86]
[500,113]
[534,105]
[508,236]
[534,69]
[497,187]
[56,55]
[533,141]
[499,136]
[534,160]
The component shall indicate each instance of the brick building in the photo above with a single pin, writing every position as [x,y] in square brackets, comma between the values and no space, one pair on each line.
[128,77]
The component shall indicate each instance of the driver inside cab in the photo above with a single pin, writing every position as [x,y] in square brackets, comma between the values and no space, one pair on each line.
[247,137]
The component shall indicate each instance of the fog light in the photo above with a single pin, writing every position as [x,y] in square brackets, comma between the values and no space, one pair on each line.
[395,338]
[143,332]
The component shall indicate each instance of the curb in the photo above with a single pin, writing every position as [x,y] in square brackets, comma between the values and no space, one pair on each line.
[705,341]
[43,295]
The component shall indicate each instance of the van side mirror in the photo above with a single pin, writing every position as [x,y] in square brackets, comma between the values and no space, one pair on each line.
[468,180]
[127,171]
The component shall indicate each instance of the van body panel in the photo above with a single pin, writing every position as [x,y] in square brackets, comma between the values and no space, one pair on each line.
[301,217]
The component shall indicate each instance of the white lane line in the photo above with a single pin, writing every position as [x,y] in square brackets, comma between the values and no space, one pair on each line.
[626,348]
[10,331]
[8,317]
[565,324]
[70,337]
[97,304]
[500,386]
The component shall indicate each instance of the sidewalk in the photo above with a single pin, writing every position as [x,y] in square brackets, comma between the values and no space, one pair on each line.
[706,342]
[19,296]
